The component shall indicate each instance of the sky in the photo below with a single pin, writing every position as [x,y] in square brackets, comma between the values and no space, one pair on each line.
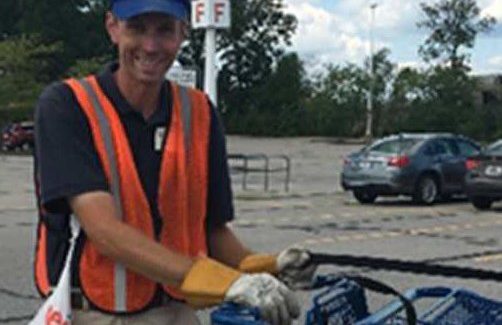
[338,31]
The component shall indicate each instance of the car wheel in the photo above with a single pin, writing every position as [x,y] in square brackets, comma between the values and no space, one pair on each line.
[481,203]
[427,190]
[364,196]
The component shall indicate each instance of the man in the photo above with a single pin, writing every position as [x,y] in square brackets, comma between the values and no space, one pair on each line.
[141,163]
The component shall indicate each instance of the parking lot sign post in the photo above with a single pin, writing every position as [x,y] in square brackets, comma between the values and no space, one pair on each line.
[210,15]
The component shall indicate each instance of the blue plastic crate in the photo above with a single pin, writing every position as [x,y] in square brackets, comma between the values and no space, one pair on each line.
[447,306]
[231,314]
[338,301]
[343,302]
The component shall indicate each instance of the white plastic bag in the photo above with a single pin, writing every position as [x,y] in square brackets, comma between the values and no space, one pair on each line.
[56,310]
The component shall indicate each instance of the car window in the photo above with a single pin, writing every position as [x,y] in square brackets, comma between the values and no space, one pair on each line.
[495,149]
[393,146]
[467,148]
[437,147]
[453,148]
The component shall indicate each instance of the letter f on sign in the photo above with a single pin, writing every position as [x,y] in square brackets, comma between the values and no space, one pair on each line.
[218,10]
[199,11]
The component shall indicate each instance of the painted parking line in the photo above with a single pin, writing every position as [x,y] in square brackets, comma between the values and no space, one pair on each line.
[330,216]
[405,232]
[488,258]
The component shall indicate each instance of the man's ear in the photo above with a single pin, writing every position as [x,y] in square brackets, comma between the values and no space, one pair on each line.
[186,30]
[111,25]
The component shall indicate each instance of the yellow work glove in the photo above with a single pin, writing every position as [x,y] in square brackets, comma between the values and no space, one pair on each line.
[256,263]
[206,283]
[209,283]
[291,266]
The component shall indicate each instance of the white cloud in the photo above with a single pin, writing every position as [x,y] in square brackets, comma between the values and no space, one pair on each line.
[410,64]
[493,8]
[496,62]
[389,15]
[336,32]
[323,36]
[343,31]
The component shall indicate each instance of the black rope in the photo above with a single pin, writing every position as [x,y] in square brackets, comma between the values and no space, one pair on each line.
[381,287]
[406,266]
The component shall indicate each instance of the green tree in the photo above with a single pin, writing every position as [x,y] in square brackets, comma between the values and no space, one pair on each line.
[85,67]
[77,24]
[453,27]
[383,74]
[409,94]
[338,102]
[277,105]
[440,99]
[10,13]
[452,101]
[248,50]
[24,65]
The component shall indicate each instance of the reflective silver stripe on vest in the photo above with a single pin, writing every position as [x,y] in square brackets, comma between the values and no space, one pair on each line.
[186,115]
[120,273]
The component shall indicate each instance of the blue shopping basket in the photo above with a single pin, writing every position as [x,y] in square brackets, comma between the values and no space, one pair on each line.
[443,306]
[343,302]
[339,298]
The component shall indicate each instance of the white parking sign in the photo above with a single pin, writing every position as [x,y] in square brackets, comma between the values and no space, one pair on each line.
[211,14]
[184,76]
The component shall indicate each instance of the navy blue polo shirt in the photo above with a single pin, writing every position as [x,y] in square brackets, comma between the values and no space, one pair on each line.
[67,162]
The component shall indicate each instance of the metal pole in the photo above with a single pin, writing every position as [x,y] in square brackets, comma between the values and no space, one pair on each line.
[210,64]
[210,68]
[369,108]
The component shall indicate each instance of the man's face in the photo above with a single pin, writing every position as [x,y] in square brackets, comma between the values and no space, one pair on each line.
[147,44]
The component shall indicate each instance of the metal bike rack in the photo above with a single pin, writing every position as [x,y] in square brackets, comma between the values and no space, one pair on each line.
[244,164]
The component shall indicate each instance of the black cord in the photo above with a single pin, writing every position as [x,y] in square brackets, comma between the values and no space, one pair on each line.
[406,266]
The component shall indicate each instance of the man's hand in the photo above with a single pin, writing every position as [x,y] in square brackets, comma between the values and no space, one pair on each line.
[295,269]
[277,304]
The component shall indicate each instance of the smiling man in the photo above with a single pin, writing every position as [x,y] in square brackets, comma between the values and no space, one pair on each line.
[141,163]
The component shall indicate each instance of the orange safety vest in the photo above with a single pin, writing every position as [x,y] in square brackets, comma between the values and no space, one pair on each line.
[182,194]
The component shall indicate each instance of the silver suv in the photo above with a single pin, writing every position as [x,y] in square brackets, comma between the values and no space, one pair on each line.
[425,166]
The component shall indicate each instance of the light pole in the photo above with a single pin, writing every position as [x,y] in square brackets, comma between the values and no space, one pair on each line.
[369,104]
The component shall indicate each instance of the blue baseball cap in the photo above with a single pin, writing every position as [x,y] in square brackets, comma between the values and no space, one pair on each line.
[125,9]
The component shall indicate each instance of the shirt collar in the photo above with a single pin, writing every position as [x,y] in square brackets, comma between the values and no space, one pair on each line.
[109,86]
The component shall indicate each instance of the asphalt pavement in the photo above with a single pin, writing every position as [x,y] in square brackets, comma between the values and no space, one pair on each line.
[314,213]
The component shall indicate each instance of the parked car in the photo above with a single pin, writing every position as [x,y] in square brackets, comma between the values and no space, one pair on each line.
[483,182]
[425,166]
[18,136]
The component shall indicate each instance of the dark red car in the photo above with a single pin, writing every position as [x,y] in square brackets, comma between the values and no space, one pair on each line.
[18,136]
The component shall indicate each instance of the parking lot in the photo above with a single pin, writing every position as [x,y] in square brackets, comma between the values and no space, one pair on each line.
[315,213]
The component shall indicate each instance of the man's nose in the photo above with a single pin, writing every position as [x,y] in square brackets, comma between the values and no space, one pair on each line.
[151,42]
